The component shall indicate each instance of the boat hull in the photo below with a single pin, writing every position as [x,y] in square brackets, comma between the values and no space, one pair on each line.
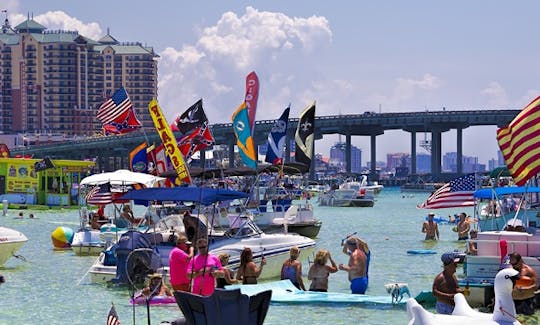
[10,242]
[310,230]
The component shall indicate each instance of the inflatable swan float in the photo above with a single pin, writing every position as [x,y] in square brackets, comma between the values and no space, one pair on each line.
[505,311]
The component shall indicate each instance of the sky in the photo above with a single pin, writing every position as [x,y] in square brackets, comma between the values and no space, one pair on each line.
[348,56]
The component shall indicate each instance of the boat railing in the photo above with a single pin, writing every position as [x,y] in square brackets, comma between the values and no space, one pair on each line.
[513,245]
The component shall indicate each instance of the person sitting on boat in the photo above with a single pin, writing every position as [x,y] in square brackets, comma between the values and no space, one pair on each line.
[127,215]
[156,287]
[523,292]
[445,285]
[292,269]
[358,264]
[463,227]
[228,277]
[179,258]
[430,228]
[319,271]
[248,271]
[203,269]
[472,246]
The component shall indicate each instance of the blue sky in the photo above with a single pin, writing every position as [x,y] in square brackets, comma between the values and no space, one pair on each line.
[349,56]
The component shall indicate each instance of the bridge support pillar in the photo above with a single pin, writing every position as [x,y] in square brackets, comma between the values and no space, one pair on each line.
[373,150]
[231,155]
[459,147]
[413,152]
[348,162]
[436,153]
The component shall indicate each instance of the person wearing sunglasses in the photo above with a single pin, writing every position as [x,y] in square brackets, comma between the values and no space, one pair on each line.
[203,270]
[358,265]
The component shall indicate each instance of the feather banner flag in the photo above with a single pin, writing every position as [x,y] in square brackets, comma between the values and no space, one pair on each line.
[169,142]
[251,98]
[117,114]
[244,140]
[305,136]
[276,139]
[520,143]
[457,193]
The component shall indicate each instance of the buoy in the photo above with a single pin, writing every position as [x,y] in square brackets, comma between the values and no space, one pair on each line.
[62,237]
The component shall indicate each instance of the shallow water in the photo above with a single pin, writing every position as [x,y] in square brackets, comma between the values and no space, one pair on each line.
[51,287]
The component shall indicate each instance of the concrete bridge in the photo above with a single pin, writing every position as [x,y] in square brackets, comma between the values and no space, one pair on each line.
[112,151]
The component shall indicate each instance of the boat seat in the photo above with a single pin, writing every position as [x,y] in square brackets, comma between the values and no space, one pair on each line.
[223,307]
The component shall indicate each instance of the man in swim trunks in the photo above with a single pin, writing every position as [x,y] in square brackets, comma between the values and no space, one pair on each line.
[430,228]
[463,227]
[357,266]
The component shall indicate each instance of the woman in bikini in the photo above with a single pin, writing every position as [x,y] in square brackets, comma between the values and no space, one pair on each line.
[319,271]
[292,269]
[248,271]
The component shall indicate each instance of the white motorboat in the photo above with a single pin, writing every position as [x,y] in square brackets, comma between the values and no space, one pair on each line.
[10,242]
[362,186]
[291,217]
[346,198]
[273,247]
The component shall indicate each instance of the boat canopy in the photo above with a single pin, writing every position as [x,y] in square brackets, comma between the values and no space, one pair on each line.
[203,195]
[489,193]
[121,177]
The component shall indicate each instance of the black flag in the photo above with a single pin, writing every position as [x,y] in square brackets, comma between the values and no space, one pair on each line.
[305,136]
[191,118]
[43,164]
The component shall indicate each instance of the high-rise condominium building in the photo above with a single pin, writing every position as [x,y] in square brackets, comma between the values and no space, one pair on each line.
[55,81]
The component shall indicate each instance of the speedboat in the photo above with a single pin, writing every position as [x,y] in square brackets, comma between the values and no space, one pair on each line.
[346,198]
[286,216]
[362,186]
[150,251]
[10,242]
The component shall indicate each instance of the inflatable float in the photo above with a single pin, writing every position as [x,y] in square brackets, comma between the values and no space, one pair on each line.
[463,314]
[285,292]
[140,299]
[421,251]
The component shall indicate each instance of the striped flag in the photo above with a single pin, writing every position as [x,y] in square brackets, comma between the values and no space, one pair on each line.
[112,317]
[520,143]
[457,193]
[99,194]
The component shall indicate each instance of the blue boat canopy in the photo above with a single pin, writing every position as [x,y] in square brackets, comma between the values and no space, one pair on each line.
[489,193]
[203,195]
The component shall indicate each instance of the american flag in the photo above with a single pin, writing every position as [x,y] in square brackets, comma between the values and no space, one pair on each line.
[457,193]
[111,110]
[112,317]
[99,194]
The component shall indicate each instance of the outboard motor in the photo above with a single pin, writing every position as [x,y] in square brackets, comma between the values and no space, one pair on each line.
[135,258]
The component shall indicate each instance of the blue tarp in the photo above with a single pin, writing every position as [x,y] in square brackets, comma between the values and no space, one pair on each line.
[488,193]
[203,195]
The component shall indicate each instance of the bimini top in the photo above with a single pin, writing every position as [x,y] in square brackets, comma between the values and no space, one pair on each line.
[203,195]
[122,177]
[489,193]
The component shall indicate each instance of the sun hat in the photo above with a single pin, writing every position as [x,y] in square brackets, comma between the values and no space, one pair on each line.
[449,258]
[431,214]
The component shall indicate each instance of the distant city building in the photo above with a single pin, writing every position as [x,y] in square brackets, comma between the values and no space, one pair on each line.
[469,164]
[55,81]
[399,159]
[423,163]
[338,157]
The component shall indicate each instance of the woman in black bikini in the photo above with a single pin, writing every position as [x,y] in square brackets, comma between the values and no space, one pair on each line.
[248,272]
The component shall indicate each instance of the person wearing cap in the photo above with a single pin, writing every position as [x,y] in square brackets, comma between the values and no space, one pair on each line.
[445,285]
[156,287]
[524,290]
[358,265]
[203,269]
[463,227]
[179,258]
[430,228]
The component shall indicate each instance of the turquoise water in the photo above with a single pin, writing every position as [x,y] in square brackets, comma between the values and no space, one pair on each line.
[50,286]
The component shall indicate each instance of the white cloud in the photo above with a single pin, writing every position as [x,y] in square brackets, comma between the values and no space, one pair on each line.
[496,94]
[55,20]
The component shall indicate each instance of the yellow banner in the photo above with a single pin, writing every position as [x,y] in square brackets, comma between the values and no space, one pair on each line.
[169,142]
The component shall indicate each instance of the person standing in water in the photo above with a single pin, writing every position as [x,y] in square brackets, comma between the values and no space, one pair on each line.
[430,228]
[358,264]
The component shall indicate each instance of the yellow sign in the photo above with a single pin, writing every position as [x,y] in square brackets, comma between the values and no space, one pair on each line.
[21,177]
[169,142]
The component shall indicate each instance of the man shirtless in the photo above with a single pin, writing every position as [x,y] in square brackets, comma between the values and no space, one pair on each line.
[358,264]
[430,228]
[523,292]
[463,227]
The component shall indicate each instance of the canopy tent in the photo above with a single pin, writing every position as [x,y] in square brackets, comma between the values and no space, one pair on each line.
[489,193]
[122,177]
[203,195]
[500,172]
